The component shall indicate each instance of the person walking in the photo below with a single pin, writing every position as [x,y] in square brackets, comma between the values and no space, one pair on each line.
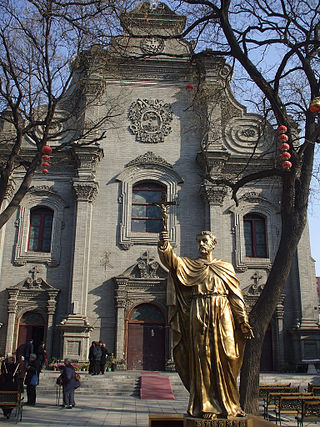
[32,379]
[27,350]
[103,359]
[91,359]
[9,379]
[97,354]
[42,355]
[69,384]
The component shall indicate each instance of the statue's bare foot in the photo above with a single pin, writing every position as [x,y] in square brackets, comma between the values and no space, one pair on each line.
[209,415]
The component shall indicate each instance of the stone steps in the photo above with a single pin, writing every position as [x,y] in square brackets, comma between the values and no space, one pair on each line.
[110,384]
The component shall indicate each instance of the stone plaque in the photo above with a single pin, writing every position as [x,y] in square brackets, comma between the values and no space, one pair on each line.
[150,120]
[73,348]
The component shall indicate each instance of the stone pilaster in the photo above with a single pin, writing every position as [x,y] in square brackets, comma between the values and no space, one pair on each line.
[214,197]
[278,339]
[51,308]
[120,304]
[12,312]
[76,328]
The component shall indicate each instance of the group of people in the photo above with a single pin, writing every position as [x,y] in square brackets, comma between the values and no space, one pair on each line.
[23,371]
[97,358]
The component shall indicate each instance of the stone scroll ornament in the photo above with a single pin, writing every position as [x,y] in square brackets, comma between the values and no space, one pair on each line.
[150,120]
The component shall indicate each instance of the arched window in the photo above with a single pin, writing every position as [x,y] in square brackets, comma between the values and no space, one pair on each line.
[255,236]
[147,313]
[144,216]
[40,229]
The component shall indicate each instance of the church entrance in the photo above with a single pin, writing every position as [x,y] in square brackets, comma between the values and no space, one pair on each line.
[31,325]
[146,338]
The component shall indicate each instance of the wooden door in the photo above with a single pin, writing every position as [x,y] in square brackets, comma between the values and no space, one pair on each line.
[153,347]
[135,346]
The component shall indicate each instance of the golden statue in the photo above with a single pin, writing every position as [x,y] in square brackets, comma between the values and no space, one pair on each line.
[209,324]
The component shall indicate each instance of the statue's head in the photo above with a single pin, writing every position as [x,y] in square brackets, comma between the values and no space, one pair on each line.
[206,241]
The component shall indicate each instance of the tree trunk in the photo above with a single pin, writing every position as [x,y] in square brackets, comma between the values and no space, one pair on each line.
[262,313]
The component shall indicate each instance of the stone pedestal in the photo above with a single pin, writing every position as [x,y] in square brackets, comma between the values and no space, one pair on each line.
[76,334]
[217,422]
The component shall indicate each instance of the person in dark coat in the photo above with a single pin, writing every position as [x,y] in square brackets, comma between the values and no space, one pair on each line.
[9,379]
[32,369]
[27,350]
[103,359]
[91,359]
[97,354]
[42,355]
[69,384]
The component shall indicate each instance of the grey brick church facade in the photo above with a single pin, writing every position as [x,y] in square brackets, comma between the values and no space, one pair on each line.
[101,277]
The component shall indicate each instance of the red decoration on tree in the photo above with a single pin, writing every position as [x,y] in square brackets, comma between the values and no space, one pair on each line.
[46,149]
[45,171]
[46,164]
[283,137]
[286,165]
[284,147]
[45,157]
[315,105]
[189,87]
[282,129]
[285,155]
[315,108]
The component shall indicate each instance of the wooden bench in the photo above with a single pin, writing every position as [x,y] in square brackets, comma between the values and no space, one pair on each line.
[12,399]
[272,396]
[310,411]
[264,389]
[312,386]
[291,404]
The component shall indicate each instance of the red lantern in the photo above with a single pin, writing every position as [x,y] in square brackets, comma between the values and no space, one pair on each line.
[315,105]
[286,165]
[285,155]
[46,149]
[45,157]
[282,129]
[315,108]
[284,147]
[45,171]
[283,137]
[46,164]
[189,87]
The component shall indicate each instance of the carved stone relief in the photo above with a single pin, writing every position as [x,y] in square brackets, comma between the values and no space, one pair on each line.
[150,120]
[152,45]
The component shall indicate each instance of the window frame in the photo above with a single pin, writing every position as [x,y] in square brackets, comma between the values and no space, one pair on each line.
[44,212]
[161,189]
[46,197]
[253,202]
[147,167]
[255,217]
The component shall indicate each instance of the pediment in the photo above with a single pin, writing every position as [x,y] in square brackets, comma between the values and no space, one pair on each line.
[33,283]
[146,267]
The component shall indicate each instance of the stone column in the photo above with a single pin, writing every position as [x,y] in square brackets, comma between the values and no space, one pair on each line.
[12,312]
[278,339]
[120,304]
[214,196]
[85,194]
[76,328]
[51,308]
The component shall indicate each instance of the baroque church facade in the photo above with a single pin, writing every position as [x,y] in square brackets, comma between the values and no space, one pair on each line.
[79,261]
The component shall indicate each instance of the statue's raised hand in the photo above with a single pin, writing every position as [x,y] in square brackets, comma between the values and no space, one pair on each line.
[163,239]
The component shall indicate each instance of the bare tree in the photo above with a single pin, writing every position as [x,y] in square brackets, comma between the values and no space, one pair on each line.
[42,48]
[276,43]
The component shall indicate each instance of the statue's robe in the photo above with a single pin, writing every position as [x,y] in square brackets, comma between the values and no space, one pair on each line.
[206,308]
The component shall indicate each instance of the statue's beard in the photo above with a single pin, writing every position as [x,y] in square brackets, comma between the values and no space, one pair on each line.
[205,249]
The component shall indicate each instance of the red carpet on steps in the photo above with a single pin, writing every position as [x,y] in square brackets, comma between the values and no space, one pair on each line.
[155,387]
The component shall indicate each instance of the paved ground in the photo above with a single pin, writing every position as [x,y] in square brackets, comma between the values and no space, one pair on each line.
[92,410]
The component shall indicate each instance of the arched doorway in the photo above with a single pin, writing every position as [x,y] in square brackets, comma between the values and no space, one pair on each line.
[31,325]
[146,338]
